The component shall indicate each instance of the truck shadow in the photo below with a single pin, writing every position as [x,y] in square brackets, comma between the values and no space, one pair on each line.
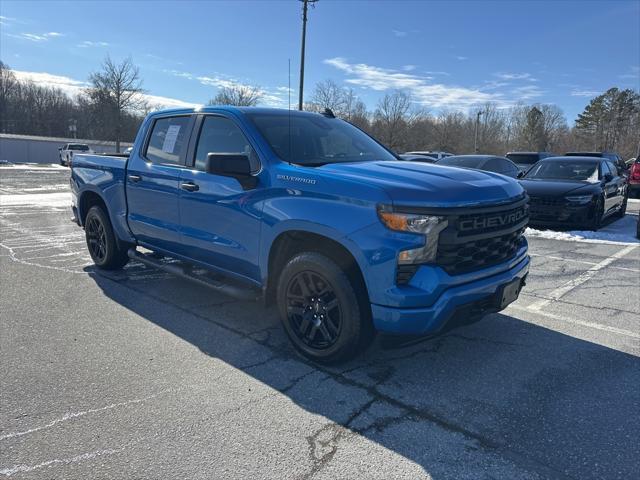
[494,398]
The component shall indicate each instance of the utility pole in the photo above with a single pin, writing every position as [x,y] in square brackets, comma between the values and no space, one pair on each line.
[305,5]
[475,141]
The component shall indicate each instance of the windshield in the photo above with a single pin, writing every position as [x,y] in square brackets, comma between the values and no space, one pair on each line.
[555,170]
[80,147]
[316,140]
[467,162]
[523,158]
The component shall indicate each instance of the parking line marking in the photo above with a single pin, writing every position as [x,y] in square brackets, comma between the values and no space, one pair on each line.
[64,461]
[585,262]
[580,279]
[582,323]
[72,415]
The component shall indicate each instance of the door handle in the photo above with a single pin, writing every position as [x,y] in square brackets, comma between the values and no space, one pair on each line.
[189,186]
[135,178]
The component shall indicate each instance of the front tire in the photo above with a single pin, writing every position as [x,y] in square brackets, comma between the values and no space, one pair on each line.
[101,241]
[321,311]
[598,214]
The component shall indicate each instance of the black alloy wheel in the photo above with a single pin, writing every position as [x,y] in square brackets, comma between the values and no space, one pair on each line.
[324,308]
[105,250]
[96,239]
[313,310]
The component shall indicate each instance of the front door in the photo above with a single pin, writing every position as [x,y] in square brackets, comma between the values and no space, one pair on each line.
[220,219]
[153,183]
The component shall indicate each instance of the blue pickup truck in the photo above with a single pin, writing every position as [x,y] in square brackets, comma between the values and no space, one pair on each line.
[308,211]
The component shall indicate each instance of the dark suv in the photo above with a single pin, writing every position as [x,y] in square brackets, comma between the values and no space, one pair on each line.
[525,160]
[614,157]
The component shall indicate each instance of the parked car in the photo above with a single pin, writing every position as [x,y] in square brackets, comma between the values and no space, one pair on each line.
[308,210]
[614,157]
[488,163]
[525,160]
[574,191]
[436,155]
[417,158]
[67,151]
[634,178]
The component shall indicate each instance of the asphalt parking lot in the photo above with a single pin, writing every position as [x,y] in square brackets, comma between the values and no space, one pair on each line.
[138,374]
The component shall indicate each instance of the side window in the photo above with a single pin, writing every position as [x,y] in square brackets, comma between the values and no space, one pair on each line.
[613,168]
[604,169]
[221,135]
[168,138]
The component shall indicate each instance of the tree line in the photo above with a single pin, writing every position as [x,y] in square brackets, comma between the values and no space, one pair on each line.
[112,107]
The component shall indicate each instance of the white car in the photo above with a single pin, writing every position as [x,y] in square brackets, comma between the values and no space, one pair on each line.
[436,155]
[69,149]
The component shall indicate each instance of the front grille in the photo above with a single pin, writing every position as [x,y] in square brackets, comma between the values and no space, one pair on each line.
[544,201]
[482,223]
[469,256]
[479,238]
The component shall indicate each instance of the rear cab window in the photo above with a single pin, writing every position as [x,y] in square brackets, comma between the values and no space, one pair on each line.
[168,140]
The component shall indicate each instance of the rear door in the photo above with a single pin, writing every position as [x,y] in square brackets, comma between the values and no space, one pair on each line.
[220,219]
[610,186]
[153,183]
[617,191]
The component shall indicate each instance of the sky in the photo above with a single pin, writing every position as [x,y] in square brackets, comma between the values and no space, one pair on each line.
[449,55]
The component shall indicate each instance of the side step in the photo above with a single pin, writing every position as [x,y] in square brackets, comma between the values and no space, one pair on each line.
[239,292]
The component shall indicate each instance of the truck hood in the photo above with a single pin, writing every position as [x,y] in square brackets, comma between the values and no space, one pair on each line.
[554,188]
[424,184]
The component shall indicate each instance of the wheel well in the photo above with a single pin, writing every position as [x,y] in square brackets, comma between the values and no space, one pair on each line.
[88,200]
[288,244]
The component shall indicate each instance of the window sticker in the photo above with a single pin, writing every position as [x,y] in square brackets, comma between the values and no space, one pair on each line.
[170,138]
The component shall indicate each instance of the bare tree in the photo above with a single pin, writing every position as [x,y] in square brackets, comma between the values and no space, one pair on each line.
[391,118]
[8,85]
[328,94]
[118,89]
[238,95]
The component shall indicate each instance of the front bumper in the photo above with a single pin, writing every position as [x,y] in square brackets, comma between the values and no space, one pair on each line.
[469,301]
[566,214]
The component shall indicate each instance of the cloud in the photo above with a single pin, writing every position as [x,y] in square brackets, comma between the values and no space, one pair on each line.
[527,92]
[408,68]
[461,58]
[33,37]
[516,76]
[584,93]
[400,33]
[276,97]
[74,87]
[89,43]
[423,92]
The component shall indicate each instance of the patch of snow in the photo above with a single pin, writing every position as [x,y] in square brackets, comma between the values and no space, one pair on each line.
[32,166]
[62,199]
[620,232]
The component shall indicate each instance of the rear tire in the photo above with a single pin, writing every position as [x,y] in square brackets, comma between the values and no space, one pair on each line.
[321,311]
[103,247]
[623,208]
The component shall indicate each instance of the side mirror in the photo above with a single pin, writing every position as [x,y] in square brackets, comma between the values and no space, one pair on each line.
[607,177]
[235,165]
[521,174]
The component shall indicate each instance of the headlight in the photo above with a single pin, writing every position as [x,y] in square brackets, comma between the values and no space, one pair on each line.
[581,199]
[428,225]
